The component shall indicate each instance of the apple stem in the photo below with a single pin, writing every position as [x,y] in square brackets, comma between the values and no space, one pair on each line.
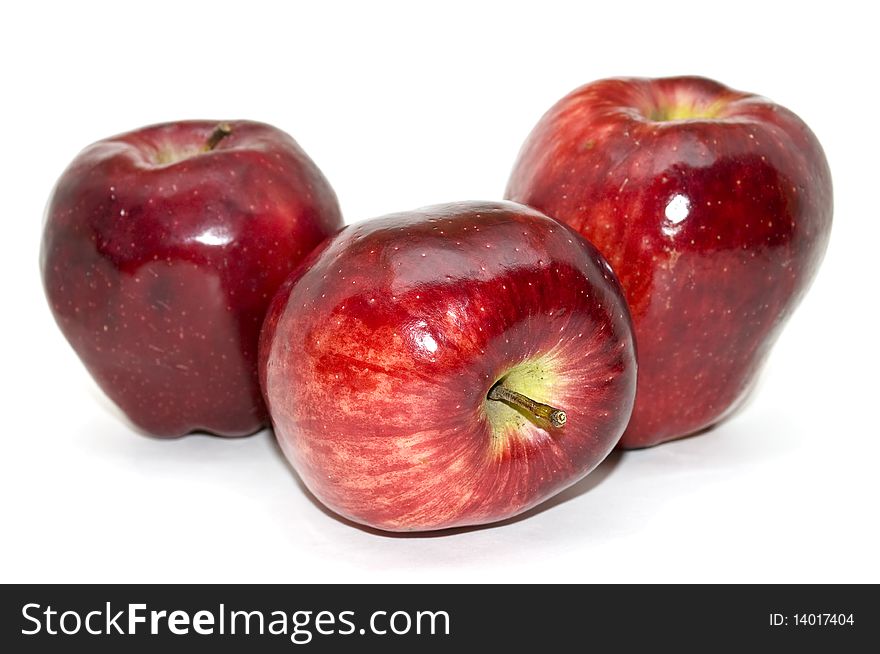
[220,132]
[554,416]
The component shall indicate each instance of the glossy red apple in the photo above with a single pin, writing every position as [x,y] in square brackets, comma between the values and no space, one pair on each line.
[714,209]
[449,366]
[161,251]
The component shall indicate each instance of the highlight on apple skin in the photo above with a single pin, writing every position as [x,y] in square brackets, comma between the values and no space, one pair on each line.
[161,251]
[714,209]
[453,365]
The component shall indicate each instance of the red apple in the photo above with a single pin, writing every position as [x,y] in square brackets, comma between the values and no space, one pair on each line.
[713,207]
[449,366]
[161,251]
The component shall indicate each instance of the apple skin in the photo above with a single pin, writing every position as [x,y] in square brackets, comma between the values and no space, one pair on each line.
[377,357]
[160,260]
[714,209]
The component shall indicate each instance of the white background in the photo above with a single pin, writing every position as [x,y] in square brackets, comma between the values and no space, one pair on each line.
[404,105]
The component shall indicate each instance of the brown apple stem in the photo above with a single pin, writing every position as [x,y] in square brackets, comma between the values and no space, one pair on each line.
[554,416]
[220,132]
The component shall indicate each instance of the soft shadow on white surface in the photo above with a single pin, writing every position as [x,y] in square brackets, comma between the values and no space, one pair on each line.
[107,504]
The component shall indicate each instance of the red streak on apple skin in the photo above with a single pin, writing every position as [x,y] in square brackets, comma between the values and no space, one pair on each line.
[715,227]
[160,275]
[377,356]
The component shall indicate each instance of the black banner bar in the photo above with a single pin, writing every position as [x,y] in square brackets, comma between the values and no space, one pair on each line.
[277,618]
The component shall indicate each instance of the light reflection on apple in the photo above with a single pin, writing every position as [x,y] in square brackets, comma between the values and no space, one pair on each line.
[215,235]
[677,210]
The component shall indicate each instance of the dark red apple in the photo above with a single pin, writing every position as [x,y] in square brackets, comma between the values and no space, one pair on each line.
[449,366]
[161,251]
[713,207]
